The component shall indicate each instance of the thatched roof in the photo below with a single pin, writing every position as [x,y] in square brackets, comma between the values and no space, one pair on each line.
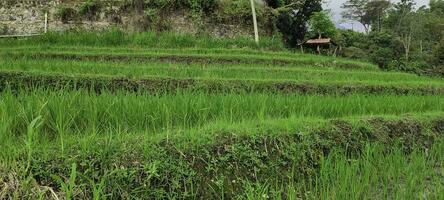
[319,41]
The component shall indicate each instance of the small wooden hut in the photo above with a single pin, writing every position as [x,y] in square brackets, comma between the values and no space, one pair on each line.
[321,43]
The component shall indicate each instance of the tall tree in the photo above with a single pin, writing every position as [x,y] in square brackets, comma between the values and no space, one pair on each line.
[356,10]
[437,7]
[292,22]
[375,11]
[422,33]
[436,22]
[322,25]
[402,21]
[367,12]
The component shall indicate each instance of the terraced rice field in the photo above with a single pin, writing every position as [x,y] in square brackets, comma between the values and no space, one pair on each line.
[81,121]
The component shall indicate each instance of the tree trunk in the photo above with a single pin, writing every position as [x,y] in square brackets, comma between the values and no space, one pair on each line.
[406,42]
[379,22]
[421,48]
[366,27]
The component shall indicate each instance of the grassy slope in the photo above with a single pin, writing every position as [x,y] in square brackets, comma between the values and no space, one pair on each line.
[208,69]
[224,127]
[229,160]
[140,70]
[79,110]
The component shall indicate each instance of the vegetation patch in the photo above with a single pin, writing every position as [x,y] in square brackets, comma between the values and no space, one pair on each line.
[87,115]
[90,9]
[66,14]
[60,82]
[220,166]
[206,59]
[115,38]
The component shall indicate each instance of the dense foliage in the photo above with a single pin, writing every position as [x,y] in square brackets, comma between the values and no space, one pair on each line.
[321,25]
[402,38]
[292,23]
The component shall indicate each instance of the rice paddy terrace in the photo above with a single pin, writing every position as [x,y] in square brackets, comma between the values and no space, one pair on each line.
[98,121]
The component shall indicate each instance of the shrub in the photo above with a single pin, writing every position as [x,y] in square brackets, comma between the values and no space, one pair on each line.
[293,23]
[65,14]
[3,30]
[205,6]
[197,6]
[350,38]
[275,3]
[384,49]
[90,9]
[383,57]
[354,53]
[439,54]
[153,18]
[236,11]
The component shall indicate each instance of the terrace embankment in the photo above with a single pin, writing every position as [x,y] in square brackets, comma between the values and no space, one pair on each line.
[209,70]
[19,80]
[211,57]
[214,162]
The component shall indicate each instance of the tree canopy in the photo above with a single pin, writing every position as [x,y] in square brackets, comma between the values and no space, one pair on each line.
[321,25]
[367,12]
[292,23]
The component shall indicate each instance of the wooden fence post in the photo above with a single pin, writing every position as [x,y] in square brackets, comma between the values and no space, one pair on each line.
[46,22]
[256,31]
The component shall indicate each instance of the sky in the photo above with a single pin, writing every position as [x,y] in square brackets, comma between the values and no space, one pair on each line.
[335,7]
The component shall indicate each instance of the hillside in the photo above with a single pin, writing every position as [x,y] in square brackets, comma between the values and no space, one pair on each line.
[217,18]
[125,117]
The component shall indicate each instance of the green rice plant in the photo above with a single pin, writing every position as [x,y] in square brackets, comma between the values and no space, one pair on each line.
[164,85]
[218,119]
[208,56]
[146,39]
[79,111]
[69,187]
[256,191]
[138,70]
[366,174]
[30,139]
[136,164]
[375,174]
[236,73]
[97,188]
